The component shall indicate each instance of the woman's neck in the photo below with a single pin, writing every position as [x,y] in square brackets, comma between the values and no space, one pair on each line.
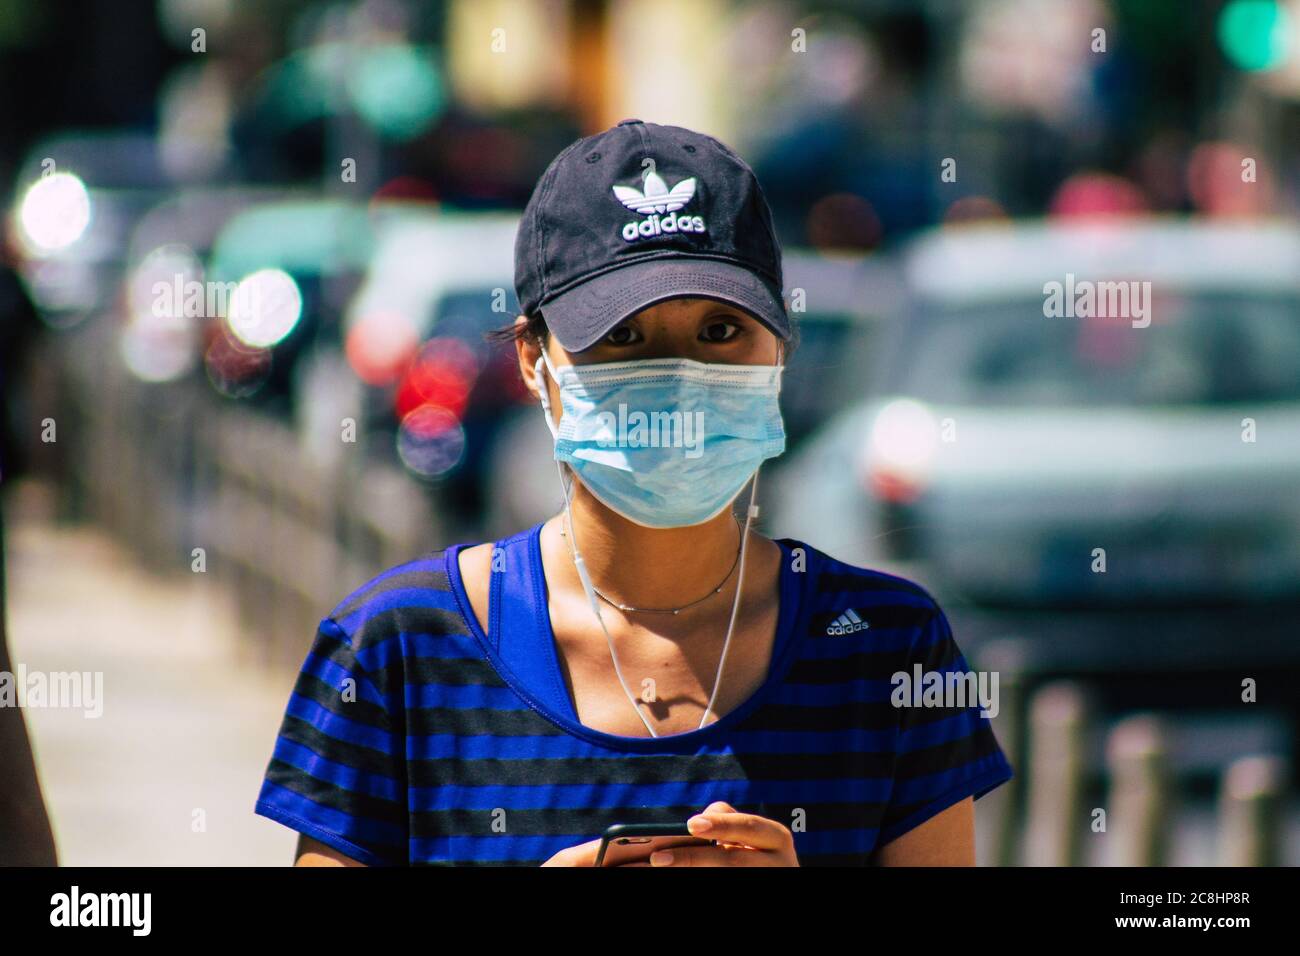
[652,567]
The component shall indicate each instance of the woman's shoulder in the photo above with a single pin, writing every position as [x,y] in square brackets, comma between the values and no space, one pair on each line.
[837,578]
[413,596]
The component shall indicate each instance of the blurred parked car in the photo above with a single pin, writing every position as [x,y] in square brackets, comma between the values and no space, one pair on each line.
[162,340]
[1000,454]
[300,262]
[416,334]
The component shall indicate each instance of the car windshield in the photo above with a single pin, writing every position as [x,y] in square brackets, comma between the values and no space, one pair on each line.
[1196,350]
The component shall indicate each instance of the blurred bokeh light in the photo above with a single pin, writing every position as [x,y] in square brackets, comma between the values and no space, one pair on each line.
[430,441]
[1255,34]
[55,212]
[265,307]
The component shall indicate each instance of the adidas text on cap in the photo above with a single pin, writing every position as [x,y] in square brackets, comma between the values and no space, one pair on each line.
[639,214]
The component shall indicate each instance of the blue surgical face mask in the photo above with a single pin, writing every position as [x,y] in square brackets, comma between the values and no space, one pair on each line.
[666,443]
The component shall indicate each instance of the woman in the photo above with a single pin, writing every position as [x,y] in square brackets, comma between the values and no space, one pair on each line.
[643,656]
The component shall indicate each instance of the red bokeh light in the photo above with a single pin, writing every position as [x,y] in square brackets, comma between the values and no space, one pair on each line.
[1087,195]
[441,376]
[1226,179]
[380,346]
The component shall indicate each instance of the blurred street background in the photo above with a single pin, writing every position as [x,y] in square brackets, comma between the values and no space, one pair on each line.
[250,251]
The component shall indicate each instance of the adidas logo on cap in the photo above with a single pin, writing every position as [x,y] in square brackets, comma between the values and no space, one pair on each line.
[654,200]
[847,623]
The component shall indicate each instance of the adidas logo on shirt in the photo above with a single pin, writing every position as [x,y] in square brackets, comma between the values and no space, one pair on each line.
[847,623]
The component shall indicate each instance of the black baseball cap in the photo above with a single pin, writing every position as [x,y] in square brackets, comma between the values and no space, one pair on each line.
[642,213]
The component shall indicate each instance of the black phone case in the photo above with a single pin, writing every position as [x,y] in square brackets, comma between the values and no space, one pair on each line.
[619,830]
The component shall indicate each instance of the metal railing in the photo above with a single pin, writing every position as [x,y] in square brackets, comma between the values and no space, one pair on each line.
[1045,816]
[196,484]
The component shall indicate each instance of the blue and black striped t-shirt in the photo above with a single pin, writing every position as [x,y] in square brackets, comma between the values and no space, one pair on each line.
[412,738]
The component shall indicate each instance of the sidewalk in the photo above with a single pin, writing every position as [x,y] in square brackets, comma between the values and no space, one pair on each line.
[188,719]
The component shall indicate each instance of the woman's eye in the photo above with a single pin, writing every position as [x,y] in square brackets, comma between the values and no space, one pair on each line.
[622,335]
[720,331]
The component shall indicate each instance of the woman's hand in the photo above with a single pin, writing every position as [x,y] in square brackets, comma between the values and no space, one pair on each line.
[584,854]
[743,840]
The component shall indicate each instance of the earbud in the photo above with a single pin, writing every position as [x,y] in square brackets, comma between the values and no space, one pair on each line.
[543,397]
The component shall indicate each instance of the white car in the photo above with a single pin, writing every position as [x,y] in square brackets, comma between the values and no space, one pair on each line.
[1023,442]
[420,259]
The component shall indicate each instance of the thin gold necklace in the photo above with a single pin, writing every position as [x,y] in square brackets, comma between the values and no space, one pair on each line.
[675,610]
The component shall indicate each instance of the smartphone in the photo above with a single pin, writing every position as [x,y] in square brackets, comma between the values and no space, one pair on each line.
[656,835]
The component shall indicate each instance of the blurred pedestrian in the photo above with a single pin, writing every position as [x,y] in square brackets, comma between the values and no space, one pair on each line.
[25,835]
[20,329]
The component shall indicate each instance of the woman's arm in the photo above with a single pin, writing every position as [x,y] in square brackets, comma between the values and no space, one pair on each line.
[946,839]
[314,853]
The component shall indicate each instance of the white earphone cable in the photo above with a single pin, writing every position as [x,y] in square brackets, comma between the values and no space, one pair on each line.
[590,590]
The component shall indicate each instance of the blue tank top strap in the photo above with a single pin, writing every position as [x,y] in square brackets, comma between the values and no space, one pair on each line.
[495,579]
[519,623]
